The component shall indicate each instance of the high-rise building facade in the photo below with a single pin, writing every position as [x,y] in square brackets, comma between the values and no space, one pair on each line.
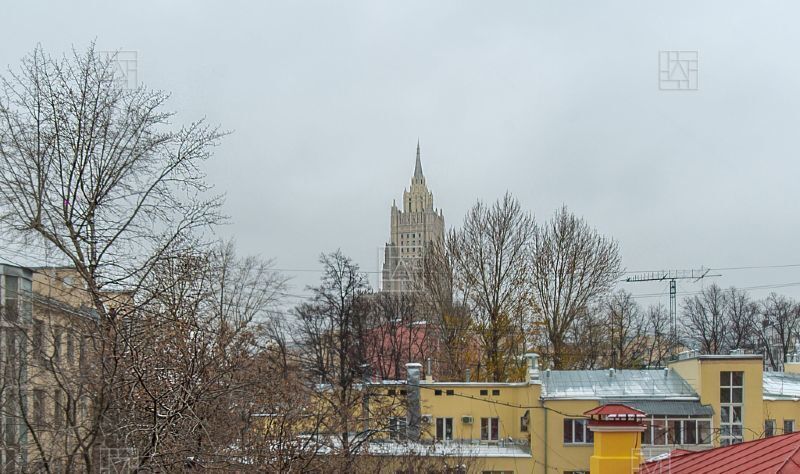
[413,230]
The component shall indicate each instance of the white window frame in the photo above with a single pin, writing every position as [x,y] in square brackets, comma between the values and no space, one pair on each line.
[442,425]
[491,422]
[583,423]
[731,431]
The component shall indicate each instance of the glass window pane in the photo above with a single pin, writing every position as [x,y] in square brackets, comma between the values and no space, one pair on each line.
[725,430]
[769,428]
[725,414]
[737,378]
[674,434]
[448,432]
[659,432]
[647,434]
[439,428]
[725,395]
[689,432]
[736,430]
[704,432]
[737,414]
[484,428]
[724,379]
[737,395]
[579,431]
[567,431]
[495,428]
[589,434]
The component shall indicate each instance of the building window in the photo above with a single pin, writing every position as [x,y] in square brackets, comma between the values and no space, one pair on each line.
[731,387]
[484,393]
[490,429]
[576,431]
[37,339]
[788,426]
[444,429]
[57,344]
[391,392]
[524,421]
[769,428]
[668,430]
[12,298]
[495,392]
[450,393]
[38,407]
[437,392]
[70,348]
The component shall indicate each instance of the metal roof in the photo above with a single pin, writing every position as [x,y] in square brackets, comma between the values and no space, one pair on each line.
[619,384]
[775,455]
[668,407]
[781,386]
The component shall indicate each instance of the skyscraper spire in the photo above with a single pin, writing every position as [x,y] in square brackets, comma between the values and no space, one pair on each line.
[418,165]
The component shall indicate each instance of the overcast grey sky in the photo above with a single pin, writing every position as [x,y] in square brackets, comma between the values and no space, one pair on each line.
[557,102]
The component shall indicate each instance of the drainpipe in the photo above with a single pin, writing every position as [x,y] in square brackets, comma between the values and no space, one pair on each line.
[546,466]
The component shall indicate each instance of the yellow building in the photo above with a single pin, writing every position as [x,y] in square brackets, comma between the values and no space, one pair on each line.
[697,402]
[45,335]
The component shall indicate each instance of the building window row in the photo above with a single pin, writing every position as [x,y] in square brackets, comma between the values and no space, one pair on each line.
[769,427]
[666,430]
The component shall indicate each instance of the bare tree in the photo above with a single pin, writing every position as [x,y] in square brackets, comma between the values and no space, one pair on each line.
[572,266]
[660,340]
[705,322]
[627,330]
[397,334]
[741,314]
[195,353]
[332,335]
[100,174]
[457,348]
[490,262]
[779,329]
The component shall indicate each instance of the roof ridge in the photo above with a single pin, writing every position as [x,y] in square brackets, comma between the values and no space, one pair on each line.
[790,456]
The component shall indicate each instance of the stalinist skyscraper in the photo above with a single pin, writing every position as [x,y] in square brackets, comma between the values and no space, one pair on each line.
[412,231]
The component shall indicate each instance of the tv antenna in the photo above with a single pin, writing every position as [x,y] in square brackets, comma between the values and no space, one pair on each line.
[672,276]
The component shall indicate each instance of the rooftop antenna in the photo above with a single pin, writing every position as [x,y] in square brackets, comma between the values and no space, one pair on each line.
[672,276]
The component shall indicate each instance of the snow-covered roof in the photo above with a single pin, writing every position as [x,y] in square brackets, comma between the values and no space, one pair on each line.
[503,449]
[620,384]
[781,386]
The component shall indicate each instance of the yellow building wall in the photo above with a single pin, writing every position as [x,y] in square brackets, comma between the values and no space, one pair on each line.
[703,375]
[780,410]
[559,456]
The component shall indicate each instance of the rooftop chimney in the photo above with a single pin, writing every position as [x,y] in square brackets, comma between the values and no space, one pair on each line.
[429,372]
[414,413]
[533,366]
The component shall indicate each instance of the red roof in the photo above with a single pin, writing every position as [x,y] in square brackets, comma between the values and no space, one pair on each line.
[617,409]
[775,455]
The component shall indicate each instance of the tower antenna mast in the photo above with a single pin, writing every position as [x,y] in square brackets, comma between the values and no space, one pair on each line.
[672,276]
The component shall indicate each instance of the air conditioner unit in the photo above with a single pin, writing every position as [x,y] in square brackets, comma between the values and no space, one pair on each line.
[466,419]
[427,419]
